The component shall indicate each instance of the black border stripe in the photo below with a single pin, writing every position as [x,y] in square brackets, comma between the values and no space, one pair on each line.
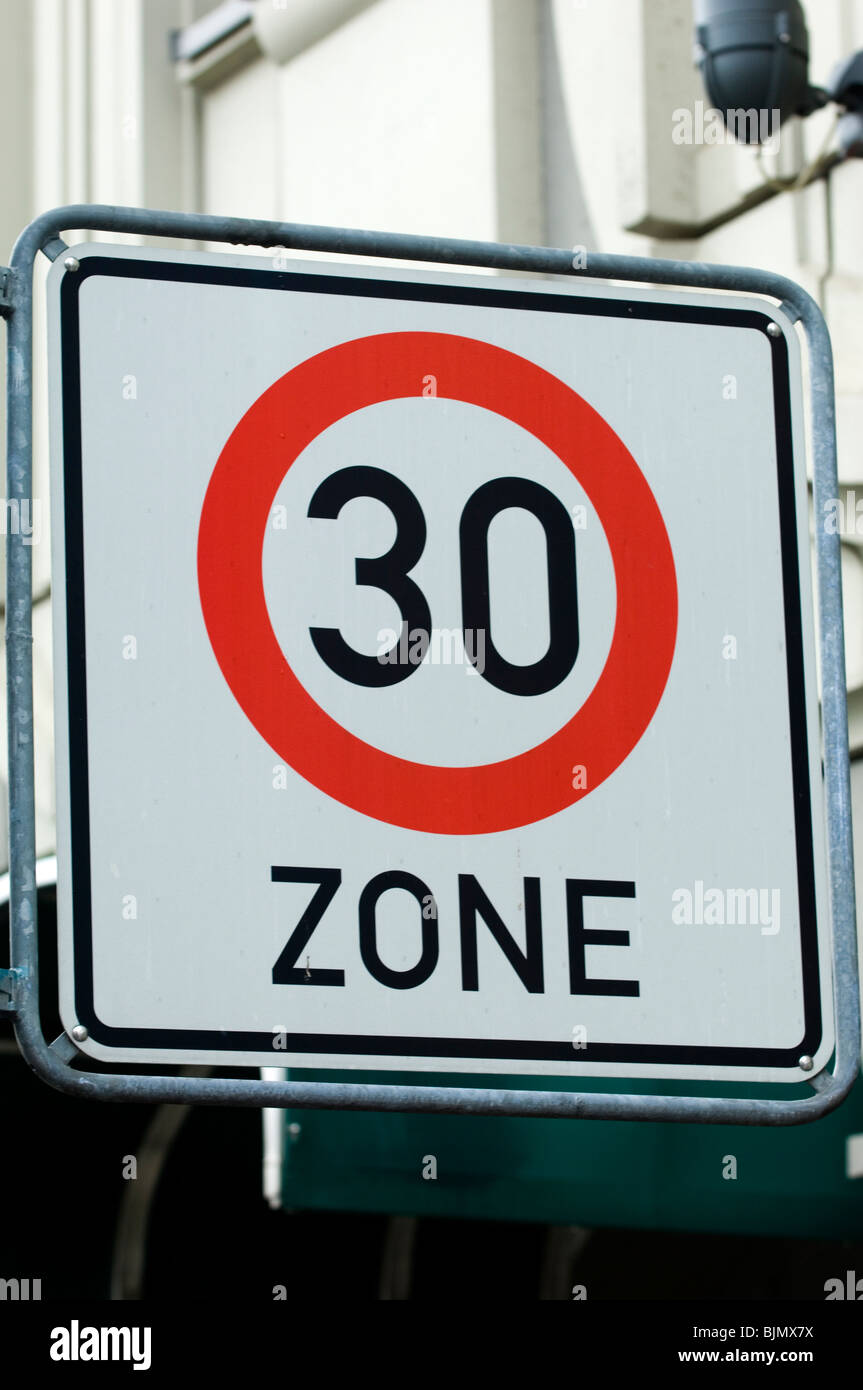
[463,1048]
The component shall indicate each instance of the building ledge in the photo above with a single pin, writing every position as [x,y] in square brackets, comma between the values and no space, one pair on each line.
[237,31]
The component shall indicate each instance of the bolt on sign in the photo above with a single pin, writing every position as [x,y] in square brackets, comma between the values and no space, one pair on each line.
[436,680]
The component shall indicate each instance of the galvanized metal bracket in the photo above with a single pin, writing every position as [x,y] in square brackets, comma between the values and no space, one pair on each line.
[51,1062]
[54,247]
[64,1048]
[5,288]
[10,981]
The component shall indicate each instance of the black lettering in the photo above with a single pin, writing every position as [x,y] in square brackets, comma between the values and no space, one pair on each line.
[388,572]
[527,964]
[285,970]
[577,889]
[374,889]
[480,510]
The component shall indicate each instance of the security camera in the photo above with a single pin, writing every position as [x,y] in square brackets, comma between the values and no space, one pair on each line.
[754,58]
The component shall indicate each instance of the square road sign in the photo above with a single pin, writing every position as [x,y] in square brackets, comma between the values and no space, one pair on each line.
[435,681]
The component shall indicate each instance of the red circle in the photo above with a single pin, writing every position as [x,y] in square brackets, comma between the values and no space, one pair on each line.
[445,800]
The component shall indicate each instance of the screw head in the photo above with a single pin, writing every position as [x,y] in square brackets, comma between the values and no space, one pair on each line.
[784,37]
[72,263]
[294,1130]
[773,330]
[806,1064]
[79,1033]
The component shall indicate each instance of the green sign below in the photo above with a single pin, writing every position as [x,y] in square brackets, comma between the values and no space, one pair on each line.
[727,1178]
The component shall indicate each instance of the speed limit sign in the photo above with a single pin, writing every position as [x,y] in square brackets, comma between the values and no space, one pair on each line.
[435,677]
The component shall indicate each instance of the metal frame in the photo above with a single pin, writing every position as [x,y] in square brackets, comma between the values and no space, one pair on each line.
[20,982]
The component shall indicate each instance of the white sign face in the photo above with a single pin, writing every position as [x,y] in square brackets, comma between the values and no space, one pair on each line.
[435,673]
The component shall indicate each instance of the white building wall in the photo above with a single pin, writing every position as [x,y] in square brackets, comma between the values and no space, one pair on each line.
[408,117]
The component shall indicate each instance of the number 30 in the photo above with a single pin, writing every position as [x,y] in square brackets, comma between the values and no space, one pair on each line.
[391,574]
